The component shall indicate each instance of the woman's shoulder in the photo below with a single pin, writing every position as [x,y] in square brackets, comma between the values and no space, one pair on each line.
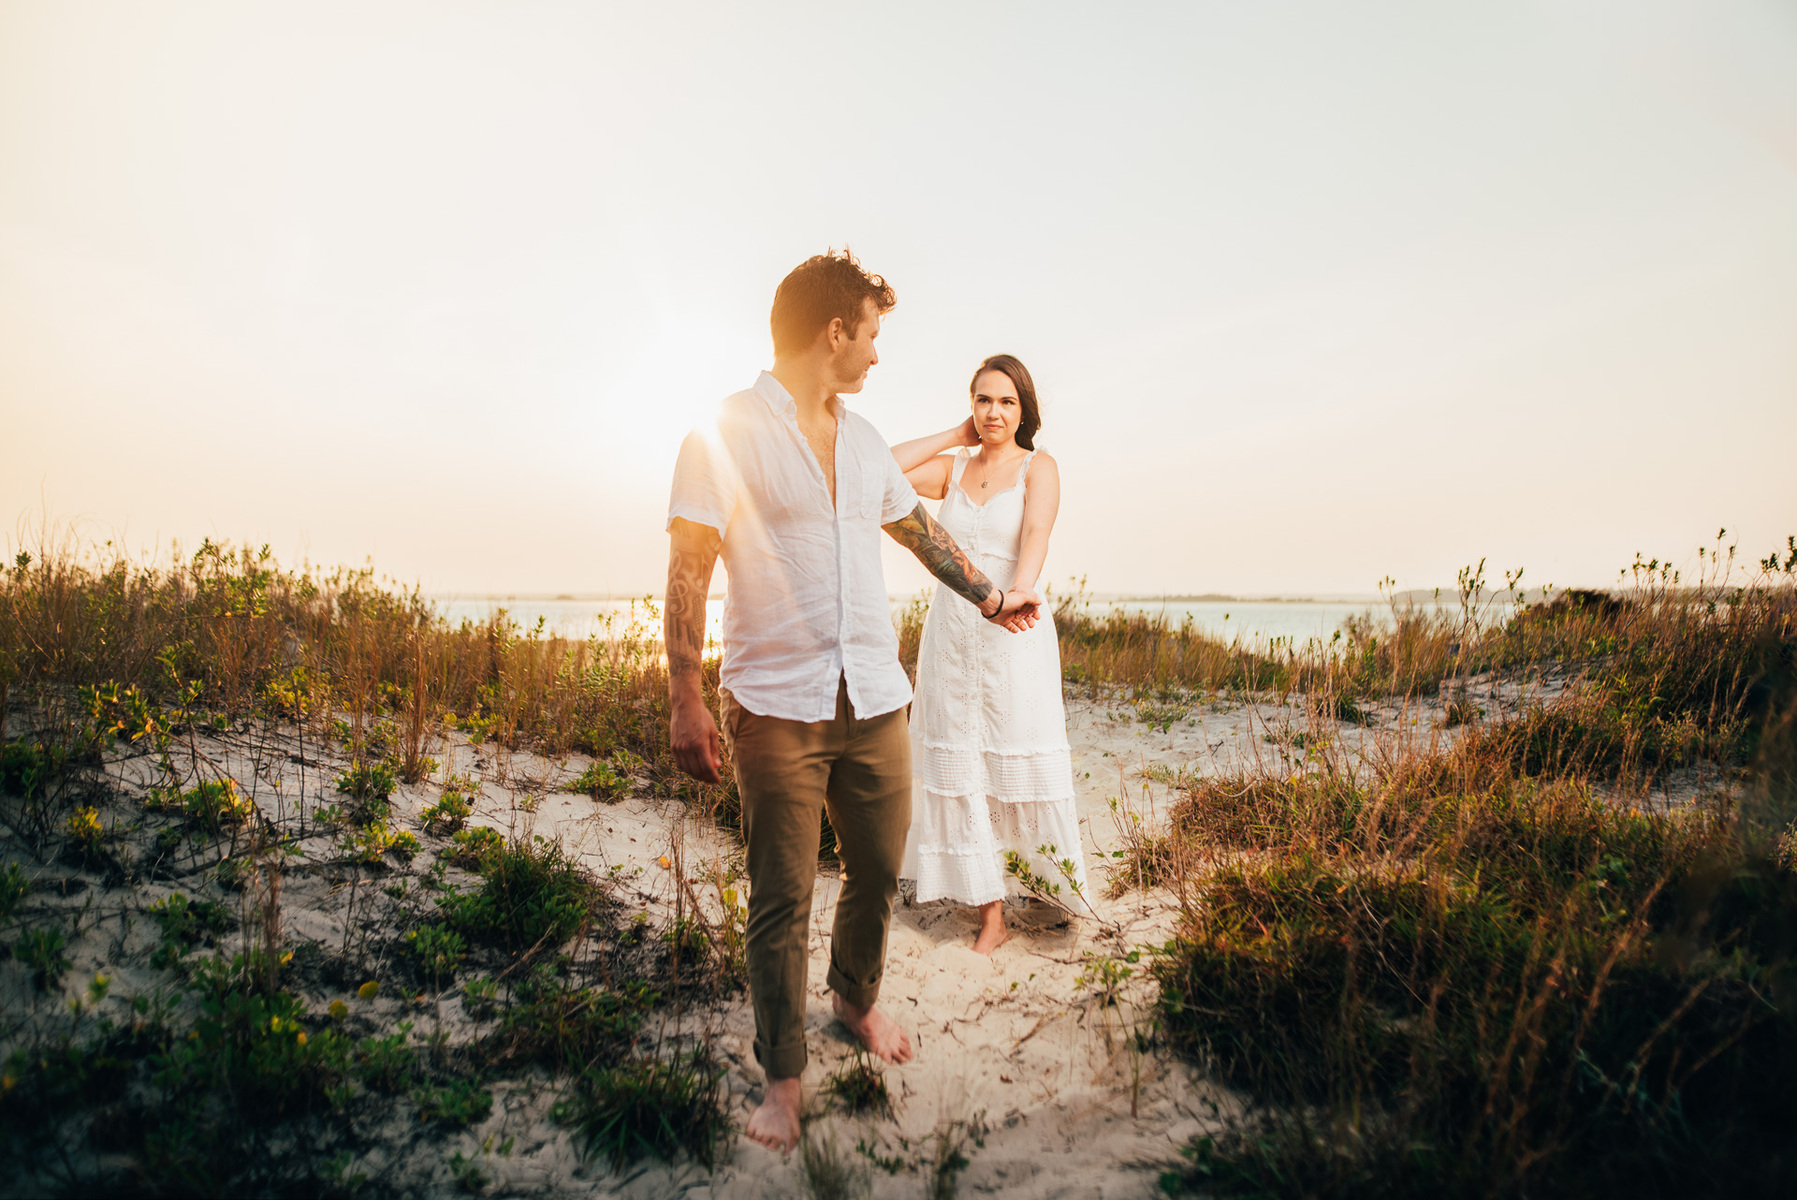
[1042,460]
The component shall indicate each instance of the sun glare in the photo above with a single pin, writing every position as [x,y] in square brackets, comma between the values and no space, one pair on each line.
[673,385]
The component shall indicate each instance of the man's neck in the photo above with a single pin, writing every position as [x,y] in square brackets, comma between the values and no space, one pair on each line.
[806,385]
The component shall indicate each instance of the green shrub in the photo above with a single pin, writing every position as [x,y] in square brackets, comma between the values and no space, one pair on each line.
[448,814]
[552,1022]
[368,785]
[473,846]
[437,950]
[858,1087]
[257,1050]
[531,894]
[386,1064]
[87,837]
[651,1108]
[457,1102]
[215,803]
[13,888]
[687,943]
[187,923]
[601,782]
[370,842]
[41,950]
[480,997]
[25,767]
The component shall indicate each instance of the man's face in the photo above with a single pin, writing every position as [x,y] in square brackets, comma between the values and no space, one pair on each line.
[852,356]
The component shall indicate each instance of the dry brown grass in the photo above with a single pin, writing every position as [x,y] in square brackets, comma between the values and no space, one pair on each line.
[239,636]
[1452,966]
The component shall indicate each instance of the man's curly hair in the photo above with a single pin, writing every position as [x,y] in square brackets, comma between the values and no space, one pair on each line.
[821,288]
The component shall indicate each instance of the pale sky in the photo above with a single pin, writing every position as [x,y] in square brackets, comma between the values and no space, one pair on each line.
[1315,292]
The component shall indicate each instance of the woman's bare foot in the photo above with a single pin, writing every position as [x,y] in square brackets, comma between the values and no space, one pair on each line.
[993,933]
[776,1123]
[874,1029]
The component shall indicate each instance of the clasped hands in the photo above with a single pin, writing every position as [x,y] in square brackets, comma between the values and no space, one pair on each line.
[1018,610]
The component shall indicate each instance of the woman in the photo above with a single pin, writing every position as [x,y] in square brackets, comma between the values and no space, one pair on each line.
[993,769]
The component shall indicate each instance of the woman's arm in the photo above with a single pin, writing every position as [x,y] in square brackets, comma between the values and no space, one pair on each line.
[931,480]
[1041,503]
[918,451]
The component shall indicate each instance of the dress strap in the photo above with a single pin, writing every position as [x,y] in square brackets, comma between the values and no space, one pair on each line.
[954,476]
[1024,470]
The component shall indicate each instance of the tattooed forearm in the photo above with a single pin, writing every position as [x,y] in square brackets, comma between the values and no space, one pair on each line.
[691,558]
[936,550]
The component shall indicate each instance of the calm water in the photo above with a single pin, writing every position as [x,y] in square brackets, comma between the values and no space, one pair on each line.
[1252,621]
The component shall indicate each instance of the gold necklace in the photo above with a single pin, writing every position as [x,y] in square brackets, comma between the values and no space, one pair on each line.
[984,482]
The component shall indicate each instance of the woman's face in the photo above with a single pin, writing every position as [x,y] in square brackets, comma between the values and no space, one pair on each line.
[996,409]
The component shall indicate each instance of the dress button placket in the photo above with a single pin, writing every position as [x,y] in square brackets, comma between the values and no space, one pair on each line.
[979,658]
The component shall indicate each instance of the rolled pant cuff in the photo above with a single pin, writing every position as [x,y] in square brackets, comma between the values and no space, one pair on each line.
[861,995]
[785,1061]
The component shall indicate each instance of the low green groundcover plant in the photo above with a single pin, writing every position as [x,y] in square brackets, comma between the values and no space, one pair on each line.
[25,767]
[531,894]
[650,1108]
[601,781]
[562,1026]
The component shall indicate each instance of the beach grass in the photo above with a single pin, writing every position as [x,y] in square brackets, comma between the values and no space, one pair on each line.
[1470,965]
[1460,958]
[226,634]
[144,705]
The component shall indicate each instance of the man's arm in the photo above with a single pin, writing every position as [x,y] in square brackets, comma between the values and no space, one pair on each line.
[692,556]
[937,551]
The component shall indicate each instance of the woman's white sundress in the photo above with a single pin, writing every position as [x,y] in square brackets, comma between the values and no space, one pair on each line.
[989,735]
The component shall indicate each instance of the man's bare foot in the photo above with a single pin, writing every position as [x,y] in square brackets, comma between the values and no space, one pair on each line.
[776,1123]
[875,1029]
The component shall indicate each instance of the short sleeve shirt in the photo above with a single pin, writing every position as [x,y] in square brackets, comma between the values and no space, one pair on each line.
[807,603]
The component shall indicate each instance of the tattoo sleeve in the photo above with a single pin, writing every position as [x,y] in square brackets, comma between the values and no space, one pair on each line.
[936,550]
[692,556]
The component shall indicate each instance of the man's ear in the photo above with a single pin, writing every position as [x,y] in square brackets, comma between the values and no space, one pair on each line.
[835,333]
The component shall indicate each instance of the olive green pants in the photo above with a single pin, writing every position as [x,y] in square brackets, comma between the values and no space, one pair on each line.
[787,773]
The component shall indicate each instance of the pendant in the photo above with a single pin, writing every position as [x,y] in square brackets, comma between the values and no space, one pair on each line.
[984,482]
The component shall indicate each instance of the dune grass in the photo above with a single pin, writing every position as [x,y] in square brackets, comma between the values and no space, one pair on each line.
[230,632]
[125,688]
[1450,963]
[1684,639]
[1460,966]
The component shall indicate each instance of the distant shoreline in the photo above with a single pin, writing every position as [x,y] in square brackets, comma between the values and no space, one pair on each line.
[1096,597]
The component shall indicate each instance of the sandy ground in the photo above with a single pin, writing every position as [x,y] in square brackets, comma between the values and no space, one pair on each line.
[1013,1047]
[1017,1056]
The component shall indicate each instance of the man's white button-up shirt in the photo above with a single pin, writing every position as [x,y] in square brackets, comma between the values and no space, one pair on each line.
[806,603]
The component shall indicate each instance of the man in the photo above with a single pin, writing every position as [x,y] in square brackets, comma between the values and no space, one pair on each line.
[793,488]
